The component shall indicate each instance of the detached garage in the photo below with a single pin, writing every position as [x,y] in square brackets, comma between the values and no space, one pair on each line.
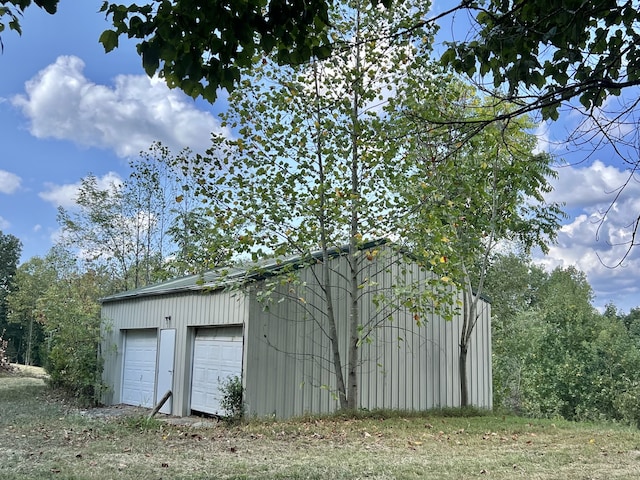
[267,325]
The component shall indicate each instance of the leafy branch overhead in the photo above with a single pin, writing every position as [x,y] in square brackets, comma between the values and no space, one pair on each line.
[550,51]
[545,52]
[201,46]
[13,9]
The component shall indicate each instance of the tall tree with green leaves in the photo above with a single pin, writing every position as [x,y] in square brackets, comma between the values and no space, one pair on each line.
[69,312]
[10,248]
[513,284]
[312,169]
[103,232]
[33,278]
[175,228]
[482,192]
[147,227]
[554,354]
[55,305]
[582,364]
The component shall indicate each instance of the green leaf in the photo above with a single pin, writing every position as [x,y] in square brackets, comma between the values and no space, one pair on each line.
[109,40]
[586,101]
[50,6]
[150,58]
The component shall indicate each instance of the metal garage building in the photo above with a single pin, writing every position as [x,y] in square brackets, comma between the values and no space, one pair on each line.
[186,335]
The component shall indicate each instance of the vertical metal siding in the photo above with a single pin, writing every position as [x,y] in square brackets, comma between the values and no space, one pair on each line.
[406,366]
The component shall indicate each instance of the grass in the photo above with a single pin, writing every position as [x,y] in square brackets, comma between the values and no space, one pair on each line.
[43,437]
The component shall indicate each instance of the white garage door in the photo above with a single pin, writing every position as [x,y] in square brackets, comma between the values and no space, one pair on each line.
[139,372]
[217,355]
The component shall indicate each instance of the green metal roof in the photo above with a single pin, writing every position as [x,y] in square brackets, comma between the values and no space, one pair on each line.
[224,277]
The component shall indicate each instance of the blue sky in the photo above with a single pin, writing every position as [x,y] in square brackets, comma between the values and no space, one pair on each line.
[67,109]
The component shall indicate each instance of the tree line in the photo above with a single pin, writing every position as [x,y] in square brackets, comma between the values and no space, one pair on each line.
[554,354]
[125,235]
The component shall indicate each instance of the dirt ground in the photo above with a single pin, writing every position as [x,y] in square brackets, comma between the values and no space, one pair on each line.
[120,411]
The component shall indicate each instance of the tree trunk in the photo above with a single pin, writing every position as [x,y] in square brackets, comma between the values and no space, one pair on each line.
[464,387]
[343,395]
[28,360]
[468,324]
[354,313]
[354,321]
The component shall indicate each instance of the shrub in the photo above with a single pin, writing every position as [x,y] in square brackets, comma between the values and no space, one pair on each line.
[75,367]
[70,316]
[628,404]
[232,401]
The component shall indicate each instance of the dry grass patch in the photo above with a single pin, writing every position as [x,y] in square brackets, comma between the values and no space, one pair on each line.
[29,371]
[42,437]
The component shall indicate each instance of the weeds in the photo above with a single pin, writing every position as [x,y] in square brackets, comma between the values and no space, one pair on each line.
[142,423]
[232,401]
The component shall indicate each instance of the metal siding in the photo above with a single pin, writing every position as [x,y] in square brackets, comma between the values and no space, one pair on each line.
[290,358]
[187,310]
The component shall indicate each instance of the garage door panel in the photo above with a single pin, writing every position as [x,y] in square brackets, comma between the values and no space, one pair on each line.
[139,371]
[217,355]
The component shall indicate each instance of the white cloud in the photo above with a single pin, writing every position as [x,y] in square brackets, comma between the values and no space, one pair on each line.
[592,187]
[60,102]
[9,182]
[65,195]
[4,224]
[543,140]
[597,236]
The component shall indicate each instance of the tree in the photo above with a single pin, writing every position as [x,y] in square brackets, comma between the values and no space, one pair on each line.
[185,239]
[483,191]
[513,284]
[554,354]
[550,55]
[202,46]
[55,307]
[146,228]
[312,171]
[548,52]
[33,279]
[10,248]
[105,232]
[69,312]
[582,361]
[632,322]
